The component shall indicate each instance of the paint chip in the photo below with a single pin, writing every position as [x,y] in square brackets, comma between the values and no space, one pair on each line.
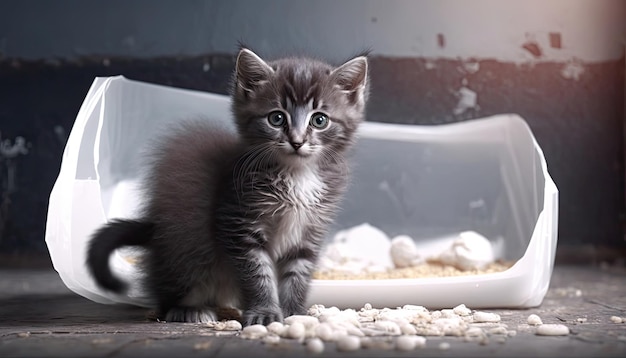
[467,99]
[533,48]
[555,40]
[441,40]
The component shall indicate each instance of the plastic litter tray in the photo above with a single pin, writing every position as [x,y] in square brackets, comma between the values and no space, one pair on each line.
[429,182]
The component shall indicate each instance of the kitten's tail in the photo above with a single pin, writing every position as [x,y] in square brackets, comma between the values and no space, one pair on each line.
[113,235]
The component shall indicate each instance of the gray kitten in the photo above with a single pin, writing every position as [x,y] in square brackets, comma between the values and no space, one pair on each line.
[238,220]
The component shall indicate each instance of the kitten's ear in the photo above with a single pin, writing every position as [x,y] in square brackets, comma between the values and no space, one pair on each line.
[352,75]
[251,70]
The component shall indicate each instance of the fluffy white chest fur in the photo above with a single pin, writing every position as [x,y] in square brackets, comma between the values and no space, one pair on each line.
[296,209]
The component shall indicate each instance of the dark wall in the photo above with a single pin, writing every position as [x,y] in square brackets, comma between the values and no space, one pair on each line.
[579,127]
[578,121]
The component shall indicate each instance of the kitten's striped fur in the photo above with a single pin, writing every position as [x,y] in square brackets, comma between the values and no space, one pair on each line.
[239,220]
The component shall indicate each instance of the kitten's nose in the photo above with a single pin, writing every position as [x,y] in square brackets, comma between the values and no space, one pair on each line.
[296,145]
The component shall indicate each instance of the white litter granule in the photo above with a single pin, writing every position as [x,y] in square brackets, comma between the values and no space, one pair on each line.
[254,331]
[296,330]
[271,339]
[480,317]
[315,345]
[230,325]
[616,319]
[534,320]
[471,251]
[462,311]
[348,343]
[407,343]
[404,252]
[276,328]
[552,330]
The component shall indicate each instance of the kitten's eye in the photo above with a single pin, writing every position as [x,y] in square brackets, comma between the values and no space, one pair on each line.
[276,118]
[319,120]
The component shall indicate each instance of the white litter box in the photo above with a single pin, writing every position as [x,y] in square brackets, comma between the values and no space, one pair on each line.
[429,182]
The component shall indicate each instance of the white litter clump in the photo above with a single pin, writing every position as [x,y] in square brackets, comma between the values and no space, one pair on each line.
[348,343]
[470,251]
[534,320]
[360,249]
[296,330]
[404,252]
[254,331]
[482,317]
[409,343]
[230,325]
[461,310]
[315,345]
[357,250]
[552,330]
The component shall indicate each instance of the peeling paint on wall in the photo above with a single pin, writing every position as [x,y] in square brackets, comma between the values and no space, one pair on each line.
[590,30]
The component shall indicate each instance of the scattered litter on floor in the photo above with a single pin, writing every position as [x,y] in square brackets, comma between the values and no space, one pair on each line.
[552,330]
[403,328]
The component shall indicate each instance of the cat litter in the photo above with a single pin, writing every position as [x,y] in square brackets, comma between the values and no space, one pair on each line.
[356,254]
[551,329]
[404,328]
[534,320]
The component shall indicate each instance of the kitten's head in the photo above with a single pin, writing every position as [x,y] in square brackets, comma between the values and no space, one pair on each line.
[299,110]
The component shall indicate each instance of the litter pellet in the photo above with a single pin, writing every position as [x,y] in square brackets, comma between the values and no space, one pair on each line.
[444,346]
[616,319]
[498,330]
[23,334]
[296,330]
[254,331]
[461,310]
[534,320]
[271,339]
[407,343]
[480,316]
[325,332]
[348,343]
[581,320]
[231,325]
[408,329]
[552,330]
[308,321]
[388,327]
[315,345]
[276,328]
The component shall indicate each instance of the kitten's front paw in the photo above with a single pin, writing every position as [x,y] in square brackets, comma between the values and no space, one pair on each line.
[191,314]
[294,309]
[262,316]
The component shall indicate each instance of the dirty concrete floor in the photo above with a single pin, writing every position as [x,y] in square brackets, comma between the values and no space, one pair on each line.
[40,317]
